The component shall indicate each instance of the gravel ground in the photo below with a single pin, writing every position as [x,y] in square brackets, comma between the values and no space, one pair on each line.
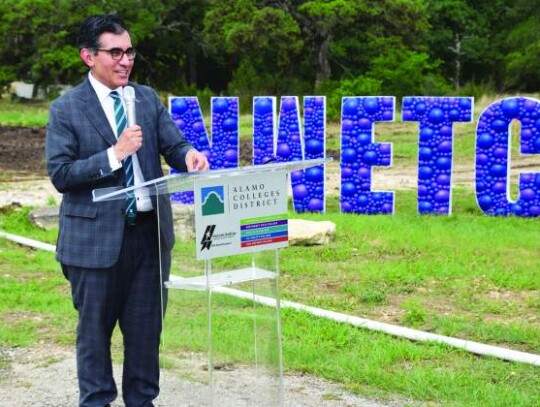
[45,376]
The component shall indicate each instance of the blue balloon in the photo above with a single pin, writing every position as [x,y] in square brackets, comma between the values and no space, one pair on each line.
[528,194]
[444,163]
[315,174]
[443,179]
[231,155]
[283,150]
[485,140]
[300,191]
[426,133]
[346,206]
[485,202]
[362,200]
[425,206]
[499,187]
[445,146]
[510,107]
[425,172]
[364,172]
[348,189]
[348,155]
[179,106]
[499,125]
[314,146]
[297,176]
[350,106]
[288,103]
[534,210]
[263,105]
[420,108]
[498,170]
[436,115]
[425,153]
[371,105]
[315,205]
[442,196]
[230,124]
[346,172]
[364,139]
[370,157]
[220,105]
[198,127]
[347,125]
[365,124]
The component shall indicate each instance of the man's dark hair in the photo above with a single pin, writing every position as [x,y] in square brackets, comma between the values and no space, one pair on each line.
[94,26]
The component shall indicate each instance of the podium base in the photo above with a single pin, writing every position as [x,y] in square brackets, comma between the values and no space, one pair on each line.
[230,301]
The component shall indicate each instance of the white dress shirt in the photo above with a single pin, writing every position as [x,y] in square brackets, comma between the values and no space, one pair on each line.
[144,203]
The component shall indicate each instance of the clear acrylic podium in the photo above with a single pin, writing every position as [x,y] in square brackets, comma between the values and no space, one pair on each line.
[230,312]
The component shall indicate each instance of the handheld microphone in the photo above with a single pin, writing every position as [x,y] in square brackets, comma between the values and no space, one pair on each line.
[129,101]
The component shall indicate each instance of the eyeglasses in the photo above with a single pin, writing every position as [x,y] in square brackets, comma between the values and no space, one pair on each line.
[118,53]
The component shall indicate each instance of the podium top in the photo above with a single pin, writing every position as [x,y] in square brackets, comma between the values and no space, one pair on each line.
[184,181]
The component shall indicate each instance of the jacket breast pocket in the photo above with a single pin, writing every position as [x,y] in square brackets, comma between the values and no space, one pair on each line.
[81,211]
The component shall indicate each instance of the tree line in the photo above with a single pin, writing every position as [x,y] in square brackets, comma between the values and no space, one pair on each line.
[294,47]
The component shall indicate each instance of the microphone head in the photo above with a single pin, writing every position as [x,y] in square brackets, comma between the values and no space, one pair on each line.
[129,93]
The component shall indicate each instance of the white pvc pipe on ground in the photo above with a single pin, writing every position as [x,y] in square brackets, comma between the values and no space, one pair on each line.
[28,242]
[395,330]
[402,332]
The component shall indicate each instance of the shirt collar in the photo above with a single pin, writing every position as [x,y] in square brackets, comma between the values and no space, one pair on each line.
[102,91]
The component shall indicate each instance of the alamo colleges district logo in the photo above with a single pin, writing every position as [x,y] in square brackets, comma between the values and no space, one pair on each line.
[213,200]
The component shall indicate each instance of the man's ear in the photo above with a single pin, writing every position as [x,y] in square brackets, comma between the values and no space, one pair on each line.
[87,56]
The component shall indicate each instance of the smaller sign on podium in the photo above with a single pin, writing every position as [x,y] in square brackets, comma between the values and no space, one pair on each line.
[240,214]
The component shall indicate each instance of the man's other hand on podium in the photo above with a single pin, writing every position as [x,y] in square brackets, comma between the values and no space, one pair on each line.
[196,161]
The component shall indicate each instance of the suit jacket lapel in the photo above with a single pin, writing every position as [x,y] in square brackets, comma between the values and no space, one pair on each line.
[91,107]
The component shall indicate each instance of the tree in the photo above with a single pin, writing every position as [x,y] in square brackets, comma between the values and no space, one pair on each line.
[37,38]
[469,37]
[322,19]
[171,43]
[522,58]
[40,39]
[254,43]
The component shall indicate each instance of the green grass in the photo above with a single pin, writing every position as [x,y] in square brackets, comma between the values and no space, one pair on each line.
[28,114]
[469,276]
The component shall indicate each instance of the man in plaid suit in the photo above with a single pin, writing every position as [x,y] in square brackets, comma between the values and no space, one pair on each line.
[114,266]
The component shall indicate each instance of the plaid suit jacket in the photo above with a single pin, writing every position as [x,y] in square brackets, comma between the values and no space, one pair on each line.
[78,136]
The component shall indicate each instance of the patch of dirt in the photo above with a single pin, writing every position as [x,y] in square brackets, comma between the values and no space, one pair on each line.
[22,158]
[22,149]
[24,177]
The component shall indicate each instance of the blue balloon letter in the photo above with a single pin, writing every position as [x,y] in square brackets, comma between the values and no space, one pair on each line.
[435,146]
[187,115]
[493,157]
[359,154]
[307,185]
